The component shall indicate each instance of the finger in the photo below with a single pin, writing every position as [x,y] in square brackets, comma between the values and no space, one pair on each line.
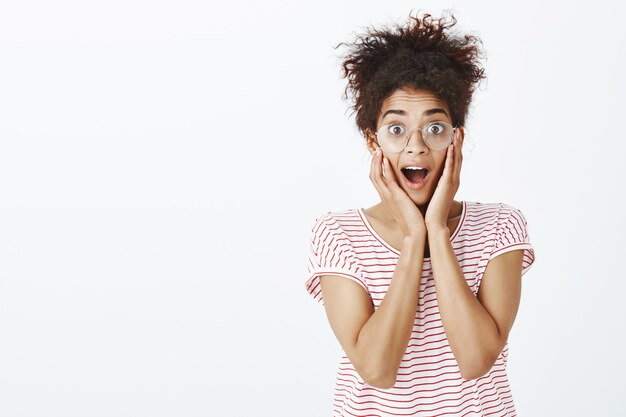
[449,164]
[459,158]
[376,175]
[455,155]
[373,173]
[388,174]
[390,179]
[382,179]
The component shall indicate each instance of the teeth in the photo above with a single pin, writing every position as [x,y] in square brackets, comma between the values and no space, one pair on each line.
[414,168]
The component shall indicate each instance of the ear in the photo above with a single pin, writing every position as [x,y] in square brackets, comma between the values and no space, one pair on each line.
[460,134]
[371,140]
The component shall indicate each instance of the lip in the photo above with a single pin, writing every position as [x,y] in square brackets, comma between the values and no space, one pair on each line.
[415,164]
[416,185]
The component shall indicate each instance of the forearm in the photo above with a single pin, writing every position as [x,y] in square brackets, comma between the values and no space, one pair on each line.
[385,336]
[470,329]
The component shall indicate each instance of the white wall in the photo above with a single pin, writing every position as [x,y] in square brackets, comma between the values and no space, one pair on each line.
[161,164]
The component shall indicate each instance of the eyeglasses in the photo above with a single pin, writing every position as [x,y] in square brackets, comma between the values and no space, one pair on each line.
[393,138]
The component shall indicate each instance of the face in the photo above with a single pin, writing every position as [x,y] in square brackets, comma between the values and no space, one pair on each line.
[417,108]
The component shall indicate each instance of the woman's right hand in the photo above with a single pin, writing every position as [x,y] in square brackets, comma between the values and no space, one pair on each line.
[406,213]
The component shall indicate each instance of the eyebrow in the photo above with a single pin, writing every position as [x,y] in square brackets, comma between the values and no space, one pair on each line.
[428,112]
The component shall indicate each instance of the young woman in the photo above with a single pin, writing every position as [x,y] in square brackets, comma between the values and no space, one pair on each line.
[421,290]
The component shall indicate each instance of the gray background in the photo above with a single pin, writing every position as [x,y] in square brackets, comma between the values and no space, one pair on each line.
[161,165]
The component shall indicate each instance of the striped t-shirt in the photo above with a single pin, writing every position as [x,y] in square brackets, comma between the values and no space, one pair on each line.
[428,382]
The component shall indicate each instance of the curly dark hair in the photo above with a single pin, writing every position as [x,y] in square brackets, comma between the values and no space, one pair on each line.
[421,55]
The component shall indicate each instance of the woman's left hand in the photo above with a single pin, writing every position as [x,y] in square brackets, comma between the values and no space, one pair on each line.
[439,206]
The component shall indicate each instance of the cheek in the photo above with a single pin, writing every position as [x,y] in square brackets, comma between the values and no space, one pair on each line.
[441,164]
[393,162]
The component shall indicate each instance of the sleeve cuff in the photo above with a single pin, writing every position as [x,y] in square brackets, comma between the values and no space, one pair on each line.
[313,283]
[529,253]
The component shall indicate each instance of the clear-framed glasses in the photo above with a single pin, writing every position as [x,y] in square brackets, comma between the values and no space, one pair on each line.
[394,137]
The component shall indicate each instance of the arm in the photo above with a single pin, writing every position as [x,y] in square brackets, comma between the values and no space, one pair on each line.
[375,341]
[476,327]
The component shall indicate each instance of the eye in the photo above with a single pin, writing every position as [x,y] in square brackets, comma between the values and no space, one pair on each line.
[436,128]
[396,129]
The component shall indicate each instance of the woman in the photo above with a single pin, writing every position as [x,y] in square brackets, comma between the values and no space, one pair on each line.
[433,284]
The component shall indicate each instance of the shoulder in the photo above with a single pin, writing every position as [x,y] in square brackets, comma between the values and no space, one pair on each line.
[493,219]
[337,219]
[498,210]
[511,214]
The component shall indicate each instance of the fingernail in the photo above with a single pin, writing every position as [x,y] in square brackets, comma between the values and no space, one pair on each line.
[377,151]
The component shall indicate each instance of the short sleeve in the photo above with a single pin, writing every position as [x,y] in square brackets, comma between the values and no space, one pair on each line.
[330,254]
[512,234]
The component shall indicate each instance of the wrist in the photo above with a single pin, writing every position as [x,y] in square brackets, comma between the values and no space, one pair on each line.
[416,236]
[414,243]
[438,232]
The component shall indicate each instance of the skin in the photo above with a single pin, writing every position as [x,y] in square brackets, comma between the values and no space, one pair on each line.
[476,326]
[403,208]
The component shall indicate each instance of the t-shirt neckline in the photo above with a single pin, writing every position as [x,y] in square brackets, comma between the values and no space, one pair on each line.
[453,236]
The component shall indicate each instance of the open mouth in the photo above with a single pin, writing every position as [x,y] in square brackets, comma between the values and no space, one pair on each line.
[415,176]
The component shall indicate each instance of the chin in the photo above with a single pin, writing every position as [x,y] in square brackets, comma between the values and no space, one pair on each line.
[421,198]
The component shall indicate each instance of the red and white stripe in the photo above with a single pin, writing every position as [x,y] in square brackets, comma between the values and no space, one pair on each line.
[429,382]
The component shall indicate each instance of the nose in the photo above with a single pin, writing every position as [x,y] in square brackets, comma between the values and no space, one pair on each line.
[418,145]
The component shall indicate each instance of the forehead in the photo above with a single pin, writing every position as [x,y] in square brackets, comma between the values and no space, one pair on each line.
[412,100]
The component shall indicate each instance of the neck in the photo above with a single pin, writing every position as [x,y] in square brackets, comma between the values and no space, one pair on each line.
[424,207]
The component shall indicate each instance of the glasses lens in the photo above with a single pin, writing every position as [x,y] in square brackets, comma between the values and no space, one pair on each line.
[438,135]
[393,138]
